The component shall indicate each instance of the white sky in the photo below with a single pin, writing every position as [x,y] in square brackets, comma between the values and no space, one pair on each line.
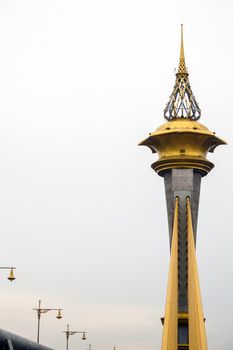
[82,215]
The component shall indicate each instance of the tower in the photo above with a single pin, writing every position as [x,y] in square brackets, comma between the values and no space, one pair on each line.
[182,145]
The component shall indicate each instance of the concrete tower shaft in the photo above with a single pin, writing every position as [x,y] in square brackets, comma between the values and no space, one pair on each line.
[182,183]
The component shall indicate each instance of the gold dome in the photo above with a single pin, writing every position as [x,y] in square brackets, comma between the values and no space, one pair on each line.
[182,143]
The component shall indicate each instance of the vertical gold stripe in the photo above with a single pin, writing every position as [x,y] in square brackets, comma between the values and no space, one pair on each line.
[197,334]
[170,329]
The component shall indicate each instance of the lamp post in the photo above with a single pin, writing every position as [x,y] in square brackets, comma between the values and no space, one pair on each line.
[11,276]
[40,311]
[68,332]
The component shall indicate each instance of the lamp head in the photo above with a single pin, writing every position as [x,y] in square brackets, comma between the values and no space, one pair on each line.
[59,316]
[11,275]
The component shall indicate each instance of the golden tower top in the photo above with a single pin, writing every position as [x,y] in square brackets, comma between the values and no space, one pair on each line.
[182,142]
[182,102]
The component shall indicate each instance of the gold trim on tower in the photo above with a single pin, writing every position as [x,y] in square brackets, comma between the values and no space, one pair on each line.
[197,334]
[170,329]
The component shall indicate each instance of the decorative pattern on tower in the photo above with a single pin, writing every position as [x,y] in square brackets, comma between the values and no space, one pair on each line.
[182,102]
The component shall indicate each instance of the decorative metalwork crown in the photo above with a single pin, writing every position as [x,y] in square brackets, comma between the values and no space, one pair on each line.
[182,102]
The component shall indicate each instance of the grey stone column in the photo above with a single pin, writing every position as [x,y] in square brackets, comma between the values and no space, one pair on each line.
[182,183]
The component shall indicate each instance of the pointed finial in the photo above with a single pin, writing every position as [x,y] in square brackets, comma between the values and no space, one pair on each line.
[182,68]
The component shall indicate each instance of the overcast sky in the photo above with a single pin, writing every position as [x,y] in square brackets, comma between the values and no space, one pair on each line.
[82,214]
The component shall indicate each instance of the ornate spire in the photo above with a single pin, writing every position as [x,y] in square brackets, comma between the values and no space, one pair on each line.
[182,102]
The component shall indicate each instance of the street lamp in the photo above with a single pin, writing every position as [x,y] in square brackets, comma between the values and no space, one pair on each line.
[40,311]
[68,332]
[11,275]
